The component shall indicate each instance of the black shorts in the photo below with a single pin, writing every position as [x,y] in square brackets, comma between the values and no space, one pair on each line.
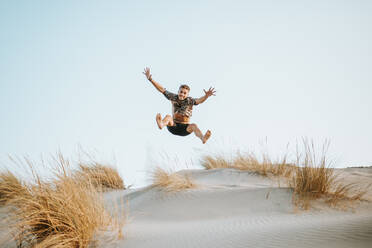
[178,129]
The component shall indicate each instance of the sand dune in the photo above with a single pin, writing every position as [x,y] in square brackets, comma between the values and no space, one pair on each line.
[236,209]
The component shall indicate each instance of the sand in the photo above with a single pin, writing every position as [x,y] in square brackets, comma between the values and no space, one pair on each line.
[235,209]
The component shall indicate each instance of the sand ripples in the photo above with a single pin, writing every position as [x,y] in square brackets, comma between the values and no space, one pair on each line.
[238,217]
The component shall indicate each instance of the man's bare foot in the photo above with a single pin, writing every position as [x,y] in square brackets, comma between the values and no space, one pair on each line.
[206,136]
[158,121]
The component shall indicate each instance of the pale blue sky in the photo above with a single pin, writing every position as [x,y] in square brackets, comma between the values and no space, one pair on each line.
[71,73]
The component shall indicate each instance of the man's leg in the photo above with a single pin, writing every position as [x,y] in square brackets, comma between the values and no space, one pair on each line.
[167,121]
[194,128]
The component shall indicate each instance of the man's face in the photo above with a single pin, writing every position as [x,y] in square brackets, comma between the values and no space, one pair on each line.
[183,93]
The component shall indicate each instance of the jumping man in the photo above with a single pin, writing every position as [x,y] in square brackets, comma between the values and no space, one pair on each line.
[182,104]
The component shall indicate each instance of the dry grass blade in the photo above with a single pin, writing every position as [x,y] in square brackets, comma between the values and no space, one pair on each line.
[171,181]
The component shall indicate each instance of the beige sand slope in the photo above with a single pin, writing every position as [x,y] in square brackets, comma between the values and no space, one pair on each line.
[238,209]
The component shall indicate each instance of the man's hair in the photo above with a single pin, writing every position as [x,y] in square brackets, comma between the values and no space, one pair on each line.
[184,86]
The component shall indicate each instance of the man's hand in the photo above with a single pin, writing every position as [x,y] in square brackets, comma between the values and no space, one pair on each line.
[149,77]
[210,92]
[147,73]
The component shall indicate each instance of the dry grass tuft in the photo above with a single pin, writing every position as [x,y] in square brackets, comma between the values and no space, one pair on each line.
[311,182]
[316,179]
[250,162]
[265,167]
[66,211]
[171,181]
[215,162]
[103,177]
[10,187]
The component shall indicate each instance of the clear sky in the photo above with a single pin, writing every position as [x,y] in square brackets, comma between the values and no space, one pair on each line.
[71,75]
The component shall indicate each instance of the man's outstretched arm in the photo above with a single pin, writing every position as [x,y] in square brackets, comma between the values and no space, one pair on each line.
[210,92]
[149,77]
